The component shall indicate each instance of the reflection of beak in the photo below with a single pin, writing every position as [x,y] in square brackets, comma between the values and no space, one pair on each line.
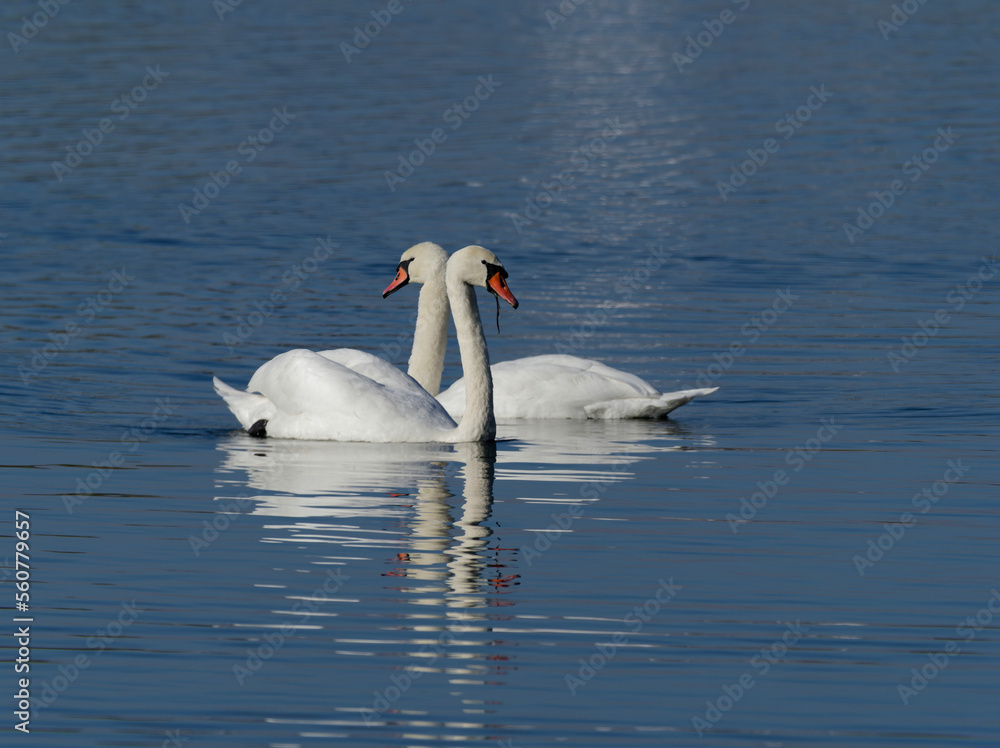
[498,286]
[401,279]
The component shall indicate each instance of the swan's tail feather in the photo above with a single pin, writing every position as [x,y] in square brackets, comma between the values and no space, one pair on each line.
[259,429]
[645,407]
[248,407]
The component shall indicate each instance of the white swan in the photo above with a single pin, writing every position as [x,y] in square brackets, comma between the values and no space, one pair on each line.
[349,395]
[550,386]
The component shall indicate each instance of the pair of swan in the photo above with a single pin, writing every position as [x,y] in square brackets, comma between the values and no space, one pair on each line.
[350,395]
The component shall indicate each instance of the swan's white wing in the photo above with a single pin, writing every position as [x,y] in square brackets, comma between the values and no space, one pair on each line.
[315,397]
[560,386]
[563,366]
[374,367]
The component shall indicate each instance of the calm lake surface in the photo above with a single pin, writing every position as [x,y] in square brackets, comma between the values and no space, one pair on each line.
[795,202]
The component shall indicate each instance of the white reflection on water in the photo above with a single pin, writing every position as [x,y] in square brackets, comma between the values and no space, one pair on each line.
[446,569]
[301,479]
[329,492]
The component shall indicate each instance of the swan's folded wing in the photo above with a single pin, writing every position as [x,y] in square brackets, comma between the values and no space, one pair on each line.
[316,397]
[563,365]
[373,367]
[561,386]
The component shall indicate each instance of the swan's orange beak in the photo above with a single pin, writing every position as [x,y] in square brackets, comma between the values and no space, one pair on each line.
[498,285]
[401,279]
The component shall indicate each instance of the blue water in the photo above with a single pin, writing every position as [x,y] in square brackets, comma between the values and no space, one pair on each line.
[796,204]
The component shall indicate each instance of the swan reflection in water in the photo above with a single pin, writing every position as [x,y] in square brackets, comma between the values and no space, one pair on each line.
[399,500]
[328,492]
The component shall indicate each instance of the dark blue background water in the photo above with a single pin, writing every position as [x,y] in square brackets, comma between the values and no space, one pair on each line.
[473,597]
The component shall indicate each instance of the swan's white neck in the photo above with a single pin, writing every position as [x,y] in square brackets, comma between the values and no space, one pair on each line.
[430,337]
[478,423]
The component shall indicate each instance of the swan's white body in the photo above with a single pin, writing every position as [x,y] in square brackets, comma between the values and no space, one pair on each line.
[560,386]
[551,386]
[343,394]
[349,395]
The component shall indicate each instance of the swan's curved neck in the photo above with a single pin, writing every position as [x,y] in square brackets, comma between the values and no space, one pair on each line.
[430,336]
[478,423]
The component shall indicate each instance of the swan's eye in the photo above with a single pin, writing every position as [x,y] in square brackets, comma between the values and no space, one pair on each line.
[492,270]
[401,279]
[496,284]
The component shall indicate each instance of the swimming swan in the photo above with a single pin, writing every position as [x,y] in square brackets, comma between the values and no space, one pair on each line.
[549,386]
[350,395]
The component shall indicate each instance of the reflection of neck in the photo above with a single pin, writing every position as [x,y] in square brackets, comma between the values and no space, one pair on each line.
[467,565]
[431,528]
[430,337]
[478,423]
[434,548]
